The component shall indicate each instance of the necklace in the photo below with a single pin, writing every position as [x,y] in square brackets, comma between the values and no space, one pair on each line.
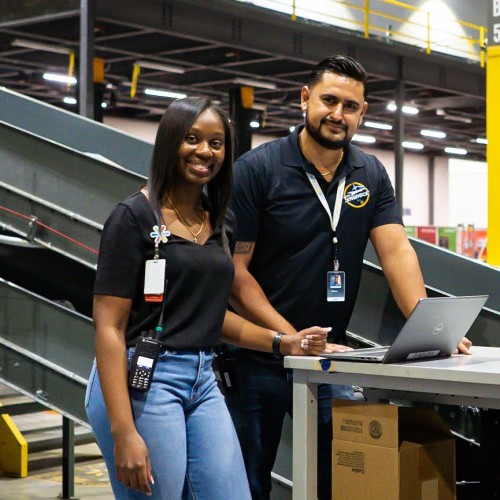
[331,172]
[181,220]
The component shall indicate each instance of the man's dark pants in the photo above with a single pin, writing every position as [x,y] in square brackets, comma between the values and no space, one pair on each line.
[258,407]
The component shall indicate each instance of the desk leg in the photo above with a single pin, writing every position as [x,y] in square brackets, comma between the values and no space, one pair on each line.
[490,455]
[305,432]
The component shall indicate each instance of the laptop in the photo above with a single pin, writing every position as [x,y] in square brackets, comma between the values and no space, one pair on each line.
[434,329]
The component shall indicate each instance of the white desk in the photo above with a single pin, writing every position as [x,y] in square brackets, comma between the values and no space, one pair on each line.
[460,380]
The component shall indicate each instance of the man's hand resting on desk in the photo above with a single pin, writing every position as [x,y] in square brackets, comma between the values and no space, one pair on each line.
[331,348]
[464,346]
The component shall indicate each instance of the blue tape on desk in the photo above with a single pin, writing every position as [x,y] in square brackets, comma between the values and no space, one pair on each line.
[325,364]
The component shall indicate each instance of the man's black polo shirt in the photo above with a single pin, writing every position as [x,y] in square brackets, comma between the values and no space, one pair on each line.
[276,206]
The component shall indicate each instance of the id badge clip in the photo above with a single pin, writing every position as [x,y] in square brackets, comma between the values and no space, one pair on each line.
[154,280]
[335,286]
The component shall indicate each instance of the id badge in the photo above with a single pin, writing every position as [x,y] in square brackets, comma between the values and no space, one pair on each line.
[335,286]
[154,280]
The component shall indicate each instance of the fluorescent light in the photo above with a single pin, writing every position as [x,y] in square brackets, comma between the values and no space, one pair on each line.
[457,118]
[29,44]
[433,133]
[412,145]
[70,100]
[408,110]
[381,126]
[56,77]
[455,151]
[368,139]
[255,83]
[482,140]
[169,68]
[165,93]
[254,124]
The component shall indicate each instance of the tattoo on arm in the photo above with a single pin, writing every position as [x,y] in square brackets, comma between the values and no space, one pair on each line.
[243,247]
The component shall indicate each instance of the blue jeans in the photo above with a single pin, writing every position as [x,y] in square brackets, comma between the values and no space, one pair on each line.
[183,419]
[262,399]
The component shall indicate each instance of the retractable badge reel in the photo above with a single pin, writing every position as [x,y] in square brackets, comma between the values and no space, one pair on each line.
[154,275]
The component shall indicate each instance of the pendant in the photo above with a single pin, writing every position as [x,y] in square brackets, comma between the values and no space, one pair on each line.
[195,239]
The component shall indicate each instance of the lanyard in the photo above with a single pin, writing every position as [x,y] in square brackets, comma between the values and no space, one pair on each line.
[334,218]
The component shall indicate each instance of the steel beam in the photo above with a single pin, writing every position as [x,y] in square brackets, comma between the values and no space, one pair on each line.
[235,24]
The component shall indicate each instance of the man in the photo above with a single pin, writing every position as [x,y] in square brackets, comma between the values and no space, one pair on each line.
[306,206]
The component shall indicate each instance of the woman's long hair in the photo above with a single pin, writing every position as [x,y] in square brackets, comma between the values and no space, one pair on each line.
[174,127]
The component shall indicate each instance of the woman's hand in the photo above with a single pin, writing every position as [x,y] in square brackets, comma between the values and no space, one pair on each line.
[311,341]
[331,348]
[464,346]
[132,464]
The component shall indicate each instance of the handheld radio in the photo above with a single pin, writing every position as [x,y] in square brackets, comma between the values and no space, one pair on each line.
[147,352]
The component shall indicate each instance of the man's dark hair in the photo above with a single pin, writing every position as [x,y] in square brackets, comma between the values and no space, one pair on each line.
[172,131]
[340,65]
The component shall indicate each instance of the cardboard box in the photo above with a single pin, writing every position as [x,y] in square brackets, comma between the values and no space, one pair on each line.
[386,452]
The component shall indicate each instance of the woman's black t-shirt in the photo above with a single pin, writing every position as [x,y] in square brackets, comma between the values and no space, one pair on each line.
[199,277]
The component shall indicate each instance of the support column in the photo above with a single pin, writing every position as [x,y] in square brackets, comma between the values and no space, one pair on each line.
[240,109]
[431,165]
[399,132]
[493,132]
[68,459]
[86,60]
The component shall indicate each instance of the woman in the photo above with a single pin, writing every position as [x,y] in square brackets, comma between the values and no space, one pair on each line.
[175,440]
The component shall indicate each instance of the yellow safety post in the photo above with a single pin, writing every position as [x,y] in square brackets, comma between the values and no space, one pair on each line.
[493,132]
[493,153]
[294,11]
[71,66]
[135,76]
[367,18]
[428,48]
[482,46]
[13,449]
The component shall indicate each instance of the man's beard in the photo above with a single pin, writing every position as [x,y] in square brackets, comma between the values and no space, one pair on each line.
[324,141]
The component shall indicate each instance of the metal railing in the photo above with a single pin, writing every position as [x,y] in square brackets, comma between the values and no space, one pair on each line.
[392,21]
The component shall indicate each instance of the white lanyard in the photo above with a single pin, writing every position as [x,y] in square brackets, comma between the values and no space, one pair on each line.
[334,218]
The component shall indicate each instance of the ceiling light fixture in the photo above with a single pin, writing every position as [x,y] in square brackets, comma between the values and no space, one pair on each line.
[255,83]
[165,93]
[254,124]
[437,134]
[29,44]
[455,151]
[412,145]
[453,117]
[407,110]
[482,140]
[56,77]
[169,68]
[69,100]
[368,139]
[381,126]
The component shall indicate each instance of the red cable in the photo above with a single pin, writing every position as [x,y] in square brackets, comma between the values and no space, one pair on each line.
[55,231]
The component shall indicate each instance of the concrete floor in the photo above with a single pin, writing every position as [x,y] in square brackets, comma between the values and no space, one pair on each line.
[91,478]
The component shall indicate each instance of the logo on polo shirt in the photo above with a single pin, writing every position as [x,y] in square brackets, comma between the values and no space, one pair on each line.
[356,195]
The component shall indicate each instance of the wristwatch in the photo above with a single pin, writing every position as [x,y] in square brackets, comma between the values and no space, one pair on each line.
[276,345]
